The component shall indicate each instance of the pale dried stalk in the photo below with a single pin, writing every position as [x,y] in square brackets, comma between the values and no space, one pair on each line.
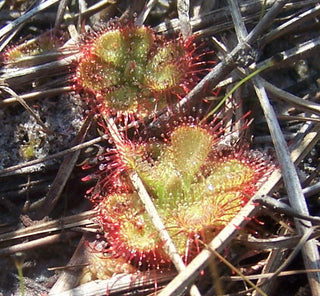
[37,94]
[36,243]
[118,285]
[82,219]
[145,12]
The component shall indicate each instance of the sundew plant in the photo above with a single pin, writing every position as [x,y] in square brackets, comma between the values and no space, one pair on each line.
[126,73]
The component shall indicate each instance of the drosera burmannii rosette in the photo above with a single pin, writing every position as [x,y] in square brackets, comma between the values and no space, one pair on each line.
[128,70]
[197,185]
[22,52]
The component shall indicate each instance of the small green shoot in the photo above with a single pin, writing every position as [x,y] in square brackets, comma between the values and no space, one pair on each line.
[18,260]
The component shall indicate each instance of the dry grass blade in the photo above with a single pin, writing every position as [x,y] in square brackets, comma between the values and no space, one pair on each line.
[50,226]
[36,95]
[292,99]
[11,26]
[142,285]
[267,275]
[290,25]
[303,240]
[36,243]
[20,76]
[277,243]
[284,208]
[144,14]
